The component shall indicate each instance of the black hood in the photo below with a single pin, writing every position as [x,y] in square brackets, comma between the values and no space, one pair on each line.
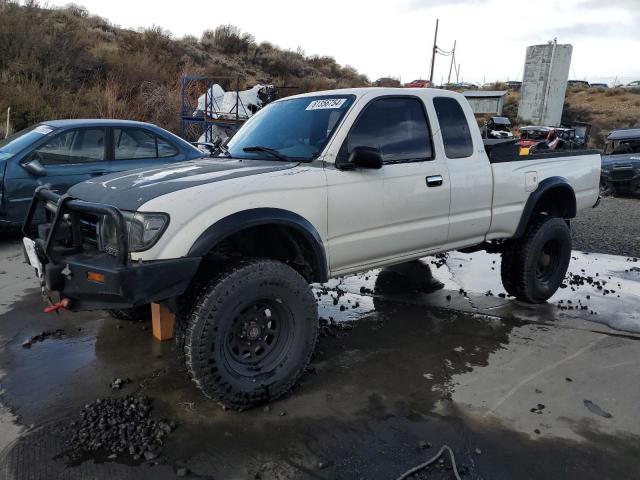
[130,189]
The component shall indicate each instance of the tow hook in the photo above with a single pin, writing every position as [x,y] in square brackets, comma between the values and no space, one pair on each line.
[62,304]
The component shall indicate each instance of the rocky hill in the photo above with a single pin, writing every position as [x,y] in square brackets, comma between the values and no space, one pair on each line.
[67,63]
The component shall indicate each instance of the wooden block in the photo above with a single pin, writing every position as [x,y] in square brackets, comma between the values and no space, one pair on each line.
[162,321]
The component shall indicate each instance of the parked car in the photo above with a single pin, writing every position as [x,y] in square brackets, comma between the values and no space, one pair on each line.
[313,186]
[632,85]
[599,85]
[60,153]
[577,83]
[513,85]
[497,127]
[418,84]
[621,161]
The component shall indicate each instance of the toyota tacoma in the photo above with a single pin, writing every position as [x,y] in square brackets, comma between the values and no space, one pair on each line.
[313,186]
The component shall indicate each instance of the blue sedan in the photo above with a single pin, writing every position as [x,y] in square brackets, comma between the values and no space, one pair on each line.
[62,153]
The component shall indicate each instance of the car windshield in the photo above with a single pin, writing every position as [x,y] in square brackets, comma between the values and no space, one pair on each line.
[19,141]
[296,129]
[622,147]
[534,134]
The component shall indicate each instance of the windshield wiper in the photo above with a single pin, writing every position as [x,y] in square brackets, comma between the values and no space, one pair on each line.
[270,151]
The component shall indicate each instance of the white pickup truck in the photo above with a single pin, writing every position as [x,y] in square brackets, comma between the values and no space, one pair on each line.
[313,186]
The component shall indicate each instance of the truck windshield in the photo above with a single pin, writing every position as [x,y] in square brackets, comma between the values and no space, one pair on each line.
[534,134]
[622,147]
[297,129]
[19,141]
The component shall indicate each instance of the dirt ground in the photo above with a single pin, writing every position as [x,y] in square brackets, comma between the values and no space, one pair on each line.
[516,391]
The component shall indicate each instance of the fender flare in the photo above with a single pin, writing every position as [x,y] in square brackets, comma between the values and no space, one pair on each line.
[254,217]
[543,187]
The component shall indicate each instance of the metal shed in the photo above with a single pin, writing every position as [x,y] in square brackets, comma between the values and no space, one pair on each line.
[486,101]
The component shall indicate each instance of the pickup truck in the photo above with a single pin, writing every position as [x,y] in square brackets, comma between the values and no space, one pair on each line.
[313,186]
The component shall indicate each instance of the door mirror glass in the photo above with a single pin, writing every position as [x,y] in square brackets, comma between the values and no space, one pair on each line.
[34,167]
[365,157]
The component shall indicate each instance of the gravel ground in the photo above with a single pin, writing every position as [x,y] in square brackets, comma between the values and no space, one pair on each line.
[613,227]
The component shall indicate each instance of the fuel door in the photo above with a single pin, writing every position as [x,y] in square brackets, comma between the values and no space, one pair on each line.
[530,181]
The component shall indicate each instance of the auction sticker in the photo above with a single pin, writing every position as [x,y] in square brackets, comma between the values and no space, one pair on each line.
[326,103]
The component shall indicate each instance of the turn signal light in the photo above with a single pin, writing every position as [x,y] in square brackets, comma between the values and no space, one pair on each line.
[95,277]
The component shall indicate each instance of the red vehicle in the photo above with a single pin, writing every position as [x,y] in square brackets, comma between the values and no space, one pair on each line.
[418,84]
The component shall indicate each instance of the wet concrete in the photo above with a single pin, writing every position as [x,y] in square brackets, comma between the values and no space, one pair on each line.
[503,383]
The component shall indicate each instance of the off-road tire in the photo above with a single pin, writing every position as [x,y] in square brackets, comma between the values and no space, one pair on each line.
[221,311]
[137,314]
[522,260]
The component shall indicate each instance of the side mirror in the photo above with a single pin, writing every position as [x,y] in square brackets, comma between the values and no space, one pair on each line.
[34,167]
[363,157]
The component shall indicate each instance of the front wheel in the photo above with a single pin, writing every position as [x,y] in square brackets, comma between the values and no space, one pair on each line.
[533,267]
[251,333]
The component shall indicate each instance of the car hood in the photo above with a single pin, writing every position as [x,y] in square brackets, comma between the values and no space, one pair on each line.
[130,189]
[611,161]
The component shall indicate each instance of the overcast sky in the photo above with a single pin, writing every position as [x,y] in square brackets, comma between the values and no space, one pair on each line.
[394,38]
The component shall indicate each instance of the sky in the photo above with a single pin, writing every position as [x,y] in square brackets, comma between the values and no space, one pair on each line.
[394,38]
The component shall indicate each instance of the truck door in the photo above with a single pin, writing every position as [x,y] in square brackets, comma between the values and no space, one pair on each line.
[400,210]
[469,170]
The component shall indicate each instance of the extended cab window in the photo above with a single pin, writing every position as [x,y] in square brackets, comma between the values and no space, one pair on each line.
[453,127]
[73,146]
[397,127]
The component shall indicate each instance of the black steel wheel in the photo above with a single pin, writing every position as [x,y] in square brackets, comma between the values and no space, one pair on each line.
[250,333]
[534,266]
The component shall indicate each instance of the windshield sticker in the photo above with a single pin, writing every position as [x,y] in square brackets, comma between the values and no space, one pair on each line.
[326,103]
[43,129]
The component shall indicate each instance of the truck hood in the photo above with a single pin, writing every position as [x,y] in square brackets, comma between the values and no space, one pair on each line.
[612,161]
[130,189]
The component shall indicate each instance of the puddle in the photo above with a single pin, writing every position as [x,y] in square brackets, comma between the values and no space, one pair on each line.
[471,283]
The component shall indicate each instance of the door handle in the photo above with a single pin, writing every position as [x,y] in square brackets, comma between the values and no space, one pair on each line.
[434,180]
[97,174]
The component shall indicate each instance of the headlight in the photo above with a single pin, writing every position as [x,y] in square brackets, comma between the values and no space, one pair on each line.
[143,230]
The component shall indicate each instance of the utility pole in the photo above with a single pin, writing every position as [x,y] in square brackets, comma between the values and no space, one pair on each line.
[453,59]
[433,53]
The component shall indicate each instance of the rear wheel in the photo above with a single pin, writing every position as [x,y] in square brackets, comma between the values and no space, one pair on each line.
[251,333]
[534,266]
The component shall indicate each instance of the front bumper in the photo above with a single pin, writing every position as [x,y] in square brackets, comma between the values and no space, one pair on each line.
[94,280]
[622,179]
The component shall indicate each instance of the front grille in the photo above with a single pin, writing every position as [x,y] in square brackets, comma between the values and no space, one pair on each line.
[621,175]
[88,232]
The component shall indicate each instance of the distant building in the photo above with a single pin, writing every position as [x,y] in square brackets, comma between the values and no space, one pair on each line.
[544,83]
[486,101]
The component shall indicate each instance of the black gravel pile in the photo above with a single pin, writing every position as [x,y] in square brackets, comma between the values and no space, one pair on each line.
[119,426]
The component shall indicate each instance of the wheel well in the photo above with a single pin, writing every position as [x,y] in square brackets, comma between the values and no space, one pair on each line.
[554,197]
[557,201]
[280,242]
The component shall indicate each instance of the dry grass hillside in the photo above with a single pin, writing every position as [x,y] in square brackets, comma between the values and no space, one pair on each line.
[67,63]
[604,109]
